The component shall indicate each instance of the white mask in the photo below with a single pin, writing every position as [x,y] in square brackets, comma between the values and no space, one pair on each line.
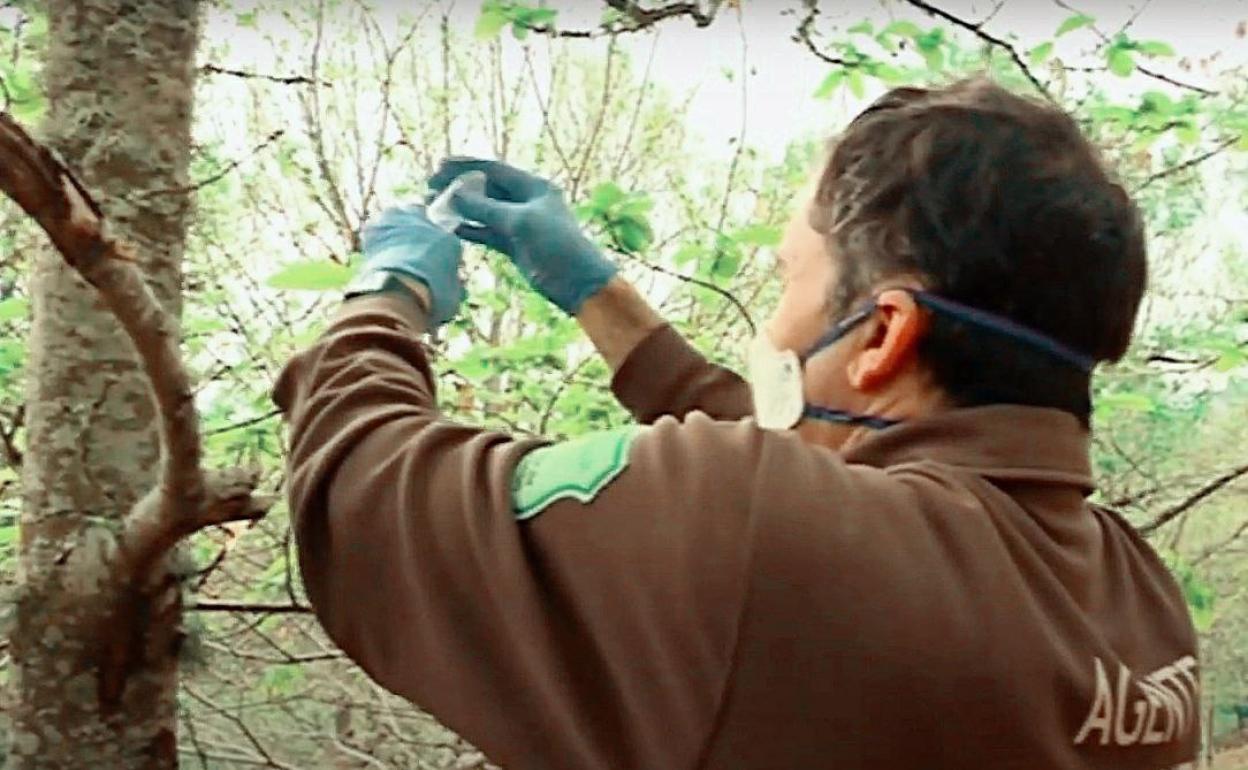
[775,377]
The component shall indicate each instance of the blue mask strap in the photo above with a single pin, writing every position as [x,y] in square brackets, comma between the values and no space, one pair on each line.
[840,329]
[847,418]
[948,307]
[1005,326]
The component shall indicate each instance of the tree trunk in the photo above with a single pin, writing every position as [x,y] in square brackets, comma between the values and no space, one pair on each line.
[94,651]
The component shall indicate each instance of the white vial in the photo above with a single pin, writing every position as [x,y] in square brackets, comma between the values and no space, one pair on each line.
[442,211]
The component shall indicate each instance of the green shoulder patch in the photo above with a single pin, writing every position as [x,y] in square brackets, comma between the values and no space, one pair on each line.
[577,469]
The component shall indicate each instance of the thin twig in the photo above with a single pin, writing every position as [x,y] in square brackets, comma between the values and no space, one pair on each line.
[229,167]
[976,28]
[287,80]
[251,608]
[1189,163]
[1193,499]
[1213,549]
[803,35]
[244,423]
[600,118]
[721,291]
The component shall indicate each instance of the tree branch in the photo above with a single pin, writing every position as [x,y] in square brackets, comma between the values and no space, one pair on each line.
[1192,500]
[1189,163]
[803,35]
[639,18]
[976,28]
[645,17]
[289,80]
[258,608]
[183,500]
[244,423]
[212,178]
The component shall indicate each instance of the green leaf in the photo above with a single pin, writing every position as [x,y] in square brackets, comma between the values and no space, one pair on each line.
[540,17]
[930,40]
[690,252]
[474,366]
[856,85]
[311,276]
[1154,48]
[888,73]
[1187,132]
[758,235]
[727,258]
[863,27]
[605,195]
[1120,61]
[632,235]
[247,19]
[902,28]
[830,84]
[491,22]
[1073,23]
[1157,103]
[13,308]
[519,31]
[638,206]
[1135,402]
[1040,53]
[1231,359]
[935,59]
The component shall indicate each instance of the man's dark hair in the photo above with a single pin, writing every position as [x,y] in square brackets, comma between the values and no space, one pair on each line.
[998,202]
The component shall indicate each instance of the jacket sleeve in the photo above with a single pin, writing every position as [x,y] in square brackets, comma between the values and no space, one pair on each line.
[580,613]
[664,375]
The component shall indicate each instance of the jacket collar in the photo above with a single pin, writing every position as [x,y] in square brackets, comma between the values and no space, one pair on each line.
[1003,442]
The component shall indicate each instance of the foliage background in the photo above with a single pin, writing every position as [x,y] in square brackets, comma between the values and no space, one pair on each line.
[313,116]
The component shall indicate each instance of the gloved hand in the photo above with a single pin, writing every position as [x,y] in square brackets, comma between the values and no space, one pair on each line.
[526,218]
[403,240]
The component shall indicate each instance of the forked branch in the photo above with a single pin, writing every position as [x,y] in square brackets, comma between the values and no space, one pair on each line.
[184,500]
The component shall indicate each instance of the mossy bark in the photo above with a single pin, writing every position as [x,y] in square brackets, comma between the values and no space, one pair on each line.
[94,651]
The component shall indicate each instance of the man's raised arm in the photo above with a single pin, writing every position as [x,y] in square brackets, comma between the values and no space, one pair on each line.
[656,371]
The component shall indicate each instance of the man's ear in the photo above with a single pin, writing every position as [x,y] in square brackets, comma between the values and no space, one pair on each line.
[897,326]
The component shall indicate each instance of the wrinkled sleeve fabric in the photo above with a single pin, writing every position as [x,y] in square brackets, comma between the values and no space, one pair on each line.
[665,375]
[597,634]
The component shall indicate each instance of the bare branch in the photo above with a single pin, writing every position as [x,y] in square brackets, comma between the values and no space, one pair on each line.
[1177,83]
[244,423]
[1142,70]
[977,29]
[803,35]
[638,18]
[1212,550]
[1189,163]
[646,17]
[184,500]
[229,167]
[1192,500]
[254,608]
[721,291]
[289,80]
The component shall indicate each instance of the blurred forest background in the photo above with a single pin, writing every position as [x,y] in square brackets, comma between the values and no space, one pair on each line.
[681,131]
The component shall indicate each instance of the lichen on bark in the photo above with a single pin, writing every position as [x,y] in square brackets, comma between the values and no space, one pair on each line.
[119,78]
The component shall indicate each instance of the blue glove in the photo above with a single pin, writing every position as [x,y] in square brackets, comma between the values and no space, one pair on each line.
[403,240]
[526,218]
